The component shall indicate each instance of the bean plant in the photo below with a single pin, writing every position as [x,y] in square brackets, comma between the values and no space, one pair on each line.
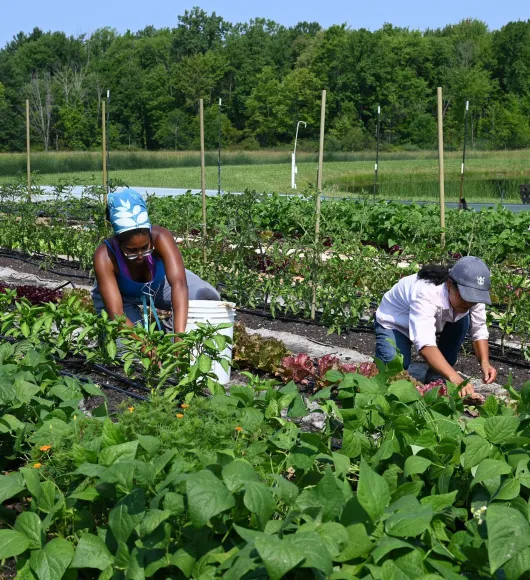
[396,484]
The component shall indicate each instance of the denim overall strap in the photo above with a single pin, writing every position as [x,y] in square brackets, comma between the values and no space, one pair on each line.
[147,291]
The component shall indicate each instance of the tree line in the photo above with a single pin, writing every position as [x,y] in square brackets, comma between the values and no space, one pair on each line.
[268,77]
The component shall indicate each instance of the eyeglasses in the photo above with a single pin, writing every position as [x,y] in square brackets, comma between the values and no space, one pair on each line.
[144,254]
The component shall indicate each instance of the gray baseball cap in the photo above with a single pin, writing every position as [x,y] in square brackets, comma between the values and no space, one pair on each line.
[473,279]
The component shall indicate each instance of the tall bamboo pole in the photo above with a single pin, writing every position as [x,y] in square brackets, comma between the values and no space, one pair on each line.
[104,150]
[219,152]
[319,193]
[203,178]
[441,165]
[28,149]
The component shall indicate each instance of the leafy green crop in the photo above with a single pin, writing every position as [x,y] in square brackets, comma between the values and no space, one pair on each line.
[68,328]
[254,352]
[233,487]
[36,403]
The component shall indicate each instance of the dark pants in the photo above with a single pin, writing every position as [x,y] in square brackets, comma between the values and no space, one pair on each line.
[449,342]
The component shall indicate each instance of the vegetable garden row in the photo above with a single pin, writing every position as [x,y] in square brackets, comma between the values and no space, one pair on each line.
[402,481]
[260,250]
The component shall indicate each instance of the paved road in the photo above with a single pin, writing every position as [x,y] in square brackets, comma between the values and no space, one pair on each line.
[168,192]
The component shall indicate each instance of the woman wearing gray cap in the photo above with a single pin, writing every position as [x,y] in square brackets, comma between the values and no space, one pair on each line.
[434,310]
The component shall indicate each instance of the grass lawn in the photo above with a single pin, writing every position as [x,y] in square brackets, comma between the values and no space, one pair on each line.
[401,175]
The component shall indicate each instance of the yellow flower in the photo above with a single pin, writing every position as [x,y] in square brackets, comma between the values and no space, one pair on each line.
[131,409]
[37,465]
[179,416]
[45,447]
[75,417]
[184,406]
[239,429]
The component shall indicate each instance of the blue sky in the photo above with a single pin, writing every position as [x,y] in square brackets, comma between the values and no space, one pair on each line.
[76,17]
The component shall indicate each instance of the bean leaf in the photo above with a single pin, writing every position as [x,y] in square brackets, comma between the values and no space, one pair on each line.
[373,492]
[237,473]
[91,552]
[405,523]
[52,562]
[29,524]
[508,534]
[259,500]
[489,468]
[500,428]
[279,556]
[416,464]
[477,449]
[207,497]
[12,543]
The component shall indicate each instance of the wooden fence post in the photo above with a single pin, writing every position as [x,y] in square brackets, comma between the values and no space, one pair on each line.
[319,193]
[441,165]
[28,149]
[203,178]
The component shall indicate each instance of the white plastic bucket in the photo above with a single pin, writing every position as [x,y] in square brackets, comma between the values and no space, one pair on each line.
[214,312]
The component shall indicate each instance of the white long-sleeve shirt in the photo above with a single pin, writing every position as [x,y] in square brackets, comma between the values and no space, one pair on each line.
[420,309]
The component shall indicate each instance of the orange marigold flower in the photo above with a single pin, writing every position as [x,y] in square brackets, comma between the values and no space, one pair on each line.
[131,409]
[179,416]
[184,406]
[45,447]
[37,465]
[239,429]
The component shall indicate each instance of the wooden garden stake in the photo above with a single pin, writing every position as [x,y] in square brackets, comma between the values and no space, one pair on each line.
[28,149]
[319,193]
[441,165]
[203,178]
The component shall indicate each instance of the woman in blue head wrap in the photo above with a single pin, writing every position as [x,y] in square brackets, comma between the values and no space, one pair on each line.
[140,268]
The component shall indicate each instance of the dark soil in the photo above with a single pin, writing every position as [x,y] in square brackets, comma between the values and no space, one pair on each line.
[115,401]
[58,271]
[118,402]
[8,570]
[364,342]
[116,391]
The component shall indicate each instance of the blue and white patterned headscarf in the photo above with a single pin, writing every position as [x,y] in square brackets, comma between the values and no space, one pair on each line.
[128,211]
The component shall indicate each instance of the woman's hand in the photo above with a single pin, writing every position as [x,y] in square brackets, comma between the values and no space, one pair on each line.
[467,391]
[150,352]
[481,348]
[489,373]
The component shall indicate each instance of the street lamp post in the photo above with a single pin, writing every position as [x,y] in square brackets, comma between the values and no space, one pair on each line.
[294,169]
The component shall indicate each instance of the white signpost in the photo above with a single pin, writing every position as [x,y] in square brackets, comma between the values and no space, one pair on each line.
[294,169]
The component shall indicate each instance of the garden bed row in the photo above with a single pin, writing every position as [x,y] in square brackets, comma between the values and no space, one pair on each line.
[509,363]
